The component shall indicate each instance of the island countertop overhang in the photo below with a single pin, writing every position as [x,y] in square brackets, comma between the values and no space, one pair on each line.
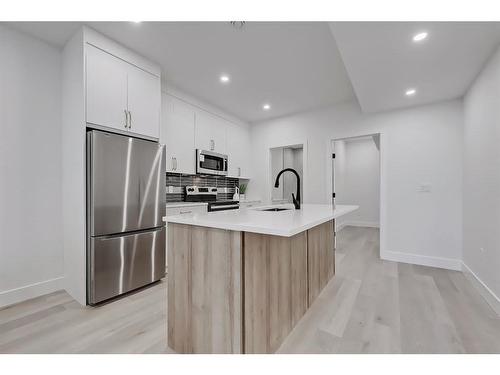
[283,223]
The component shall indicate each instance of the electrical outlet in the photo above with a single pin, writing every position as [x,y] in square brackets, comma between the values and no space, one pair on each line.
[424,188]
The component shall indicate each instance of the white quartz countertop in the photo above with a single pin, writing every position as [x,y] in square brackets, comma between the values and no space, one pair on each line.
[282,223]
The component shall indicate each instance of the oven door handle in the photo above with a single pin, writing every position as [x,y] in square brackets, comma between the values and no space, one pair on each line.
[224,207]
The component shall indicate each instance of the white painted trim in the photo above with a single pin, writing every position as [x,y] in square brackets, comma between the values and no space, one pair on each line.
[384,166]
[12,296]
[367,224]
[422,260]
[490,297]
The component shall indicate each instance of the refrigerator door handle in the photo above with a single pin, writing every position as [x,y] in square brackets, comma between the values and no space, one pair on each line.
[116,235]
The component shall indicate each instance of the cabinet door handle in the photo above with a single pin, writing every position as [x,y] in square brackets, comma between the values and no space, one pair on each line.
[172,165]
[185,212]
[239,171]
[126,118]
[212,145]
[129,119]
[175,159]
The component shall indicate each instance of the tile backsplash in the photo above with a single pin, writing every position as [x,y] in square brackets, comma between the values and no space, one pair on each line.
[176,185]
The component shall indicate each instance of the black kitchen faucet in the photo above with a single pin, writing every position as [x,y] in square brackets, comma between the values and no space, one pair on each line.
[296,201]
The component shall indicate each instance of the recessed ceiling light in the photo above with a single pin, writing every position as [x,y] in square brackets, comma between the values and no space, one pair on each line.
[420,36]
[136,21]
[224,78]
[266,107]
[410,92]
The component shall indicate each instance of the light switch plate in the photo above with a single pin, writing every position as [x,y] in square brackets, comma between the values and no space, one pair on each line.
[424,188]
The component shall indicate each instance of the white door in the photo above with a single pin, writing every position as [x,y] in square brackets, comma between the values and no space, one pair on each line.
[144,96]
[210,132]
[178,123]
[238,151]
[106,81]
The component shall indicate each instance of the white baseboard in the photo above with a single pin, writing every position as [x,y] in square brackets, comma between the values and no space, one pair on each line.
[367,224]
[10,297]
[482,288]
[422,260]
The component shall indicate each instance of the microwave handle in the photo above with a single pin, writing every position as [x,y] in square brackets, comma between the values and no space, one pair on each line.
[225,165]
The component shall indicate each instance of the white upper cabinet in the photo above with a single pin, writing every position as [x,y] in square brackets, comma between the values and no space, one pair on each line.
[144,95]
[177,132]
[186,127]
[210,132]
[106,89]
[120,95]
[238,151]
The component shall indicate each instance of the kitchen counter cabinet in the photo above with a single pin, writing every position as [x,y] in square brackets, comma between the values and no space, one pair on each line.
[204,290]
[236,291]
[275,289]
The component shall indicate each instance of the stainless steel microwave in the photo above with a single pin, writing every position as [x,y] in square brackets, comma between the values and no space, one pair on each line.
[208,162]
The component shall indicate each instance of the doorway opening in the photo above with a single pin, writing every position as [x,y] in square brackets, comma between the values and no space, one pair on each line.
[356,179]
[291,156]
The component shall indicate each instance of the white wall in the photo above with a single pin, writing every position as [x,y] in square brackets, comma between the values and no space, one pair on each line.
[31,259]
[359,175]
[418,146]
[482,179]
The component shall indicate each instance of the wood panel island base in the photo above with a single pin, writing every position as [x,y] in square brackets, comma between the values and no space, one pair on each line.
[243,291]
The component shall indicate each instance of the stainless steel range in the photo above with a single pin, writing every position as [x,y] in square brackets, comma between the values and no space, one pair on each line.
[209,194]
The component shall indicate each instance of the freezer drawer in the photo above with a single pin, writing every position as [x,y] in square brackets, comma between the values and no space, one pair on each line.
[120,264]
[126,183]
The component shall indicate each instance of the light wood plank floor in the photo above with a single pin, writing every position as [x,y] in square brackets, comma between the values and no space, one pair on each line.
[377,306]
[371,306]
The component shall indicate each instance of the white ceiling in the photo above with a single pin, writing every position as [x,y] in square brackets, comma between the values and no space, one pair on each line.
[294,66]
[297,66]
[56,33]
[382,60]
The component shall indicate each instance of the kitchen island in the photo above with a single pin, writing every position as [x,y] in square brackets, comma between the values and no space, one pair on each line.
[239,281]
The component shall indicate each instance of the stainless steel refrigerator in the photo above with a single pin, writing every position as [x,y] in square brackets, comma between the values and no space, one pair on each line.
[125,210]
